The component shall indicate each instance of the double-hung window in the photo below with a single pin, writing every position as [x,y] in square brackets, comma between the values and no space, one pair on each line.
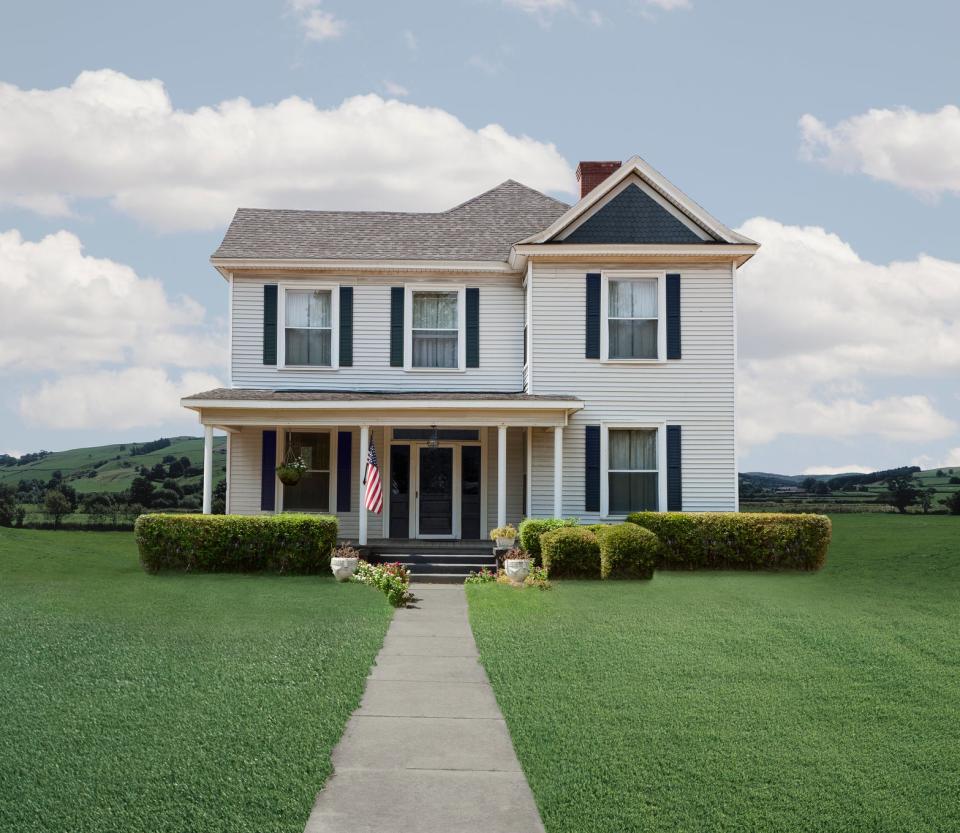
[633,475]
[633,329]
[312,492]
[435,329]
[308,328]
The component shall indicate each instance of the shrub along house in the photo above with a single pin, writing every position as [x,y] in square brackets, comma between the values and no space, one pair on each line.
[512,356]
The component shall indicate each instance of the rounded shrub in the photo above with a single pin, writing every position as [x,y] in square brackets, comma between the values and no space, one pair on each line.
[738,540]
[627,551]
[571,552]
[532,529]
[285,543]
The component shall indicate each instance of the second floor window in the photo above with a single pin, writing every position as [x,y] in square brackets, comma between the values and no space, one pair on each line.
[435,332]
[632,319]
[308,326]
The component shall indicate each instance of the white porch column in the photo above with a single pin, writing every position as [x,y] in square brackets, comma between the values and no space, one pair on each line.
[362,509]
[501,475]
[207,468]
[558,472]
[528,502]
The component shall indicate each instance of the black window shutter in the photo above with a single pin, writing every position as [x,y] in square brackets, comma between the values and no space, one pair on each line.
[269,323]
[674,470]
[268,468]
[593,316]
[396,326]
[591,469]
[346,326]
[673,316]
[473,327]
[344,468]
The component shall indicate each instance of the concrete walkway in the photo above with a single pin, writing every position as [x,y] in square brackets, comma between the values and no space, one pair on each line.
[428,750]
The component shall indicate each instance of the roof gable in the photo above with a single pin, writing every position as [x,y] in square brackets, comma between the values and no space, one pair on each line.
[653,185]
[632,216]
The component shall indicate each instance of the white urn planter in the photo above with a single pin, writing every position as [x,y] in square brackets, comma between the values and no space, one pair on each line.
[505,543]
[343,568]
[517,569]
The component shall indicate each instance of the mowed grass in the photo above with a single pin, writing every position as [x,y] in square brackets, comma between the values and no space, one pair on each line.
[173,703]
[742,701]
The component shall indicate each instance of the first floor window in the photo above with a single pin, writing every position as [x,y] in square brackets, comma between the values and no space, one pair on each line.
[312,493]
[632,470]
[435,330]
[632,318]
[308,326]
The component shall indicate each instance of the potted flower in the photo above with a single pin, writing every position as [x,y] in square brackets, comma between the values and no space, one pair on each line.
[516,564]
[504,536]
[291,470]
[343,561]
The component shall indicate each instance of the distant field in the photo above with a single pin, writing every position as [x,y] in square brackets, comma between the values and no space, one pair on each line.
[111,468]
[851,500]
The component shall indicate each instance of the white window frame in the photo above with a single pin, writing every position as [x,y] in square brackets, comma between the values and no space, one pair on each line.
[409,290]
[282,431]
[661,278]
[334,290]
[605,429]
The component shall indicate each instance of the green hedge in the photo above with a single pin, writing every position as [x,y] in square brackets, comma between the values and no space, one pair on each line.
[532,528]
[746,541]
[627,551]
[571,552]
[236,543]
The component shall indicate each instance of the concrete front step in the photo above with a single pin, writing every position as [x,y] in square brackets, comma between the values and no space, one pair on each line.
[437,558]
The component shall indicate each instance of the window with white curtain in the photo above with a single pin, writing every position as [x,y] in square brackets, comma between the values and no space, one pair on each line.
[632,470]
[308,327]
[633,318]
[435,332]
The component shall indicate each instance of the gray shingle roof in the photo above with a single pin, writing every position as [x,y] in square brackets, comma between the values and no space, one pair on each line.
[258,395]
[483,228]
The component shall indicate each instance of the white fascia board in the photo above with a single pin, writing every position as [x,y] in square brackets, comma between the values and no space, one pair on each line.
[739,253]
[384,404]
[495,267]
[656,180]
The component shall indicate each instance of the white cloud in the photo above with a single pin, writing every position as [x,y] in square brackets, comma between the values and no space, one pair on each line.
[853,468]
[177,169]
[13,453]
[544,11]
[669,5]
[395,89]
[949,459]
[818,325]
[135,397]
[64,309]
[317,24]
[410,40]
[917,151]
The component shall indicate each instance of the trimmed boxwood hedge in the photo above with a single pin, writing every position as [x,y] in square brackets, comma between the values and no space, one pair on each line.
[736,540]
[236,543]
[532,528]
[571,552]
[627,551]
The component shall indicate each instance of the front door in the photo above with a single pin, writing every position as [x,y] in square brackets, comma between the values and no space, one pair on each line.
[435,498]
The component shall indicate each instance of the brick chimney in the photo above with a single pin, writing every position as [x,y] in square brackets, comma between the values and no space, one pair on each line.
[591,174]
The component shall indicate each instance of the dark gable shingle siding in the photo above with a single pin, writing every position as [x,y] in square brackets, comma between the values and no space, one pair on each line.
[632,217]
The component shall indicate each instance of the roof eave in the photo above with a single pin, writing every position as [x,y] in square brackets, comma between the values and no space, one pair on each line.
[226,265]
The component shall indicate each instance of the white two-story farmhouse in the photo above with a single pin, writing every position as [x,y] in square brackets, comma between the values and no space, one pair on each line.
[510,357]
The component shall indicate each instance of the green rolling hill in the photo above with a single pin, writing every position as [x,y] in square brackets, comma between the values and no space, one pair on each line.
[111,468]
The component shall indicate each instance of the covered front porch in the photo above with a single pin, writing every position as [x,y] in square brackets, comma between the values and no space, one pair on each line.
[452,466]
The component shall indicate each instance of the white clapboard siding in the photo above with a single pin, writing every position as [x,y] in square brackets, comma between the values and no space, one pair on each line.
[244,474]
[501,340]
[696,392]
[516,465]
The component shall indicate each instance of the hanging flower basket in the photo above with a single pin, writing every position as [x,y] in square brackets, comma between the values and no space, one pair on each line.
[291,470]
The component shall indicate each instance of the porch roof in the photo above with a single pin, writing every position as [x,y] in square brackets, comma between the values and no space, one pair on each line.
[248,405]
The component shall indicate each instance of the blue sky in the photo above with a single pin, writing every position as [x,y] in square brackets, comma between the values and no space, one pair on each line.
[850,343]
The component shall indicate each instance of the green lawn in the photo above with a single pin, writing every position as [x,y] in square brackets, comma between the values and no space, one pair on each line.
[173,703]
[742,702]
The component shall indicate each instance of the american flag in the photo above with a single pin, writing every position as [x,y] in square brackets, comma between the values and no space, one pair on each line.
[373,498]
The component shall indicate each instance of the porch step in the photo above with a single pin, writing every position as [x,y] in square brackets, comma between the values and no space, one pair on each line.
[437,566]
